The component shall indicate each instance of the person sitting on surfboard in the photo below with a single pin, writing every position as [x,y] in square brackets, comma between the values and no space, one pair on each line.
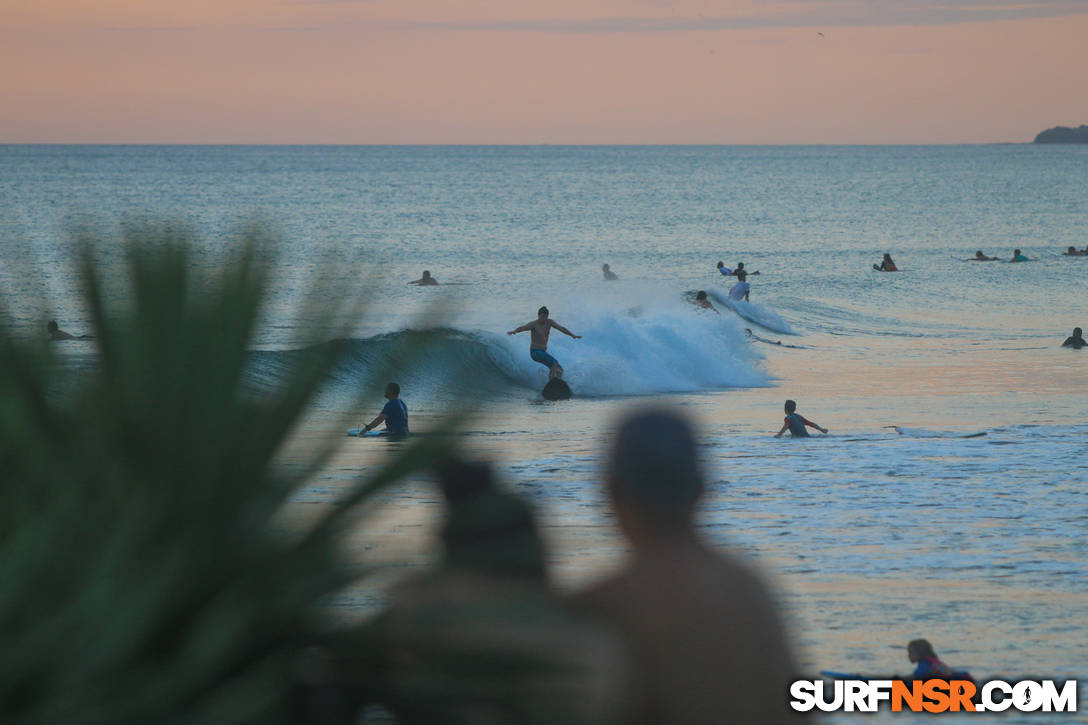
[609,275]
[886,264]
[740,290]
[55,333]
[425,280]
[701,301]
[540,328]
[1076,340]
[394,414]
[795,423]
[980,257]
[1017,257]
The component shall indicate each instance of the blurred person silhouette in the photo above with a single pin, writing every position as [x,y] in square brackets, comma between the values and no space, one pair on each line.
[483,638]
[1076,340]
[609,275]
[704,641]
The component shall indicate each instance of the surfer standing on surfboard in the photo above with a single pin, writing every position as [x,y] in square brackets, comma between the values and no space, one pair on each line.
[540,328]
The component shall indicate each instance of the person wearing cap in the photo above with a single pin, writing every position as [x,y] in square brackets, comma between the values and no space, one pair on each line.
[540,328]
[704,640]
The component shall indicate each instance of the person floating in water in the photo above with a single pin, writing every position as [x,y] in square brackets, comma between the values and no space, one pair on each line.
[980,257]
[540,328]
[702,302]
[795,423]
[609,275]
[1017,257]
[740,290]
[725,271]
[886,264]
[1072,252]
[55,333]
[425,280]
[1076,340]
[394,414]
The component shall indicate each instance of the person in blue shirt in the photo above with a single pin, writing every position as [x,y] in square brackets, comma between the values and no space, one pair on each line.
[795,423]
[394,414]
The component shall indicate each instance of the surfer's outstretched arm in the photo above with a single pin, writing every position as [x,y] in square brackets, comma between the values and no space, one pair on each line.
[810,424]
[524,328]
[564,330]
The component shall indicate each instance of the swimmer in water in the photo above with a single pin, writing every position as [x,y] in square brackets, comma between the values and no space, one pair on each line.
[795,423]
[980,257]
[609,275]
[702,302]
[1017,257]
[426,280]
[886,264]
[55,333]
[1076,340]
[1072,252]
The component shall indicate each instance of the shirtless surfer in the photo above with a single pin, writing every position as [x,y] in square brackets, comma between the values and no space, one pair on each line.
[540,328]
[426,280]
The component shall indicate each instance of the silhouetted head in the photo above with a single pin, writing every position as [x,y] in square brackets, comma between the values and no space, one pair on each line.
[700,295]
[653,475]
[542,312]
[487,530]
[1016,252]
[1072,250]
[1076,332]
[392,390]
[426,273]
[721,264]
[887,257]
[920,649]
[53,326]
[791,407]
[742,275]
[604,267]
[979,254]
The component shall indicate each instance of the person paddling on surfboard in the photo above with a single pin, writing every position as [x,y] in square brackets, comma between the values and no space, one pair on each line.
[540,328]
[394,414]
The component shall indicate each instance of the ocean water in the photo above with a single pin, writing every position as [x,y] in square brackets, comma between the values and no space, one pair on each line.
[869,537]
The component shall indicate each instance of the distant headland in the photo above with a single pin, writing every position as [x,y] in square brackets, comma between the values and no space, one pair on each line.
[1063,134]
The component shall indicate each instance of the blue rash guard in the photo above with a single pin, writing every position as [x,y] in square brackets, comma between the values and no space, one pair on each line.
[726,272]
[797,425]
[396,417]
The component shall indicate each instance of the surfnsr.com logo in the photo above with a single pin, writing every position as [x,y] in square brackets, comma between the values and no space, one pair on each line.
[933,696]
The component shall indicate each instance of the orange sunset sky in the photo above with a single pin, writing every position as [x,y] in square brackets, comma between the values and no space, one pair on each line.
[563,71]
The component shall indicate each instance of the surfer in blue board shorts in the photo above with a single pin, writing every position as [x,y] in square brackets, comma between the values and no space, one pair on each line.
[394,414]
[540,328]
[795,423]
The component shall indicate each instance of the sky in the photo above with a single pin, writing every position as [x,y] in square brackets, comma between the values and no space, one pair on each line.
[532,72]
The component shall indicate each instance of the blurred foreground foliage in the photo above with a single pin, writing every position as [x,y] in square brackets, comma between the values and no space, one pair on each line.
[146,574]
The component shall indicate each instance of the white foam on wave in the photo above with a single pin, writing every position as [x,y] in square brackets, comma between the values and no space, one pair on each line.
[760,315]
[660,343]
